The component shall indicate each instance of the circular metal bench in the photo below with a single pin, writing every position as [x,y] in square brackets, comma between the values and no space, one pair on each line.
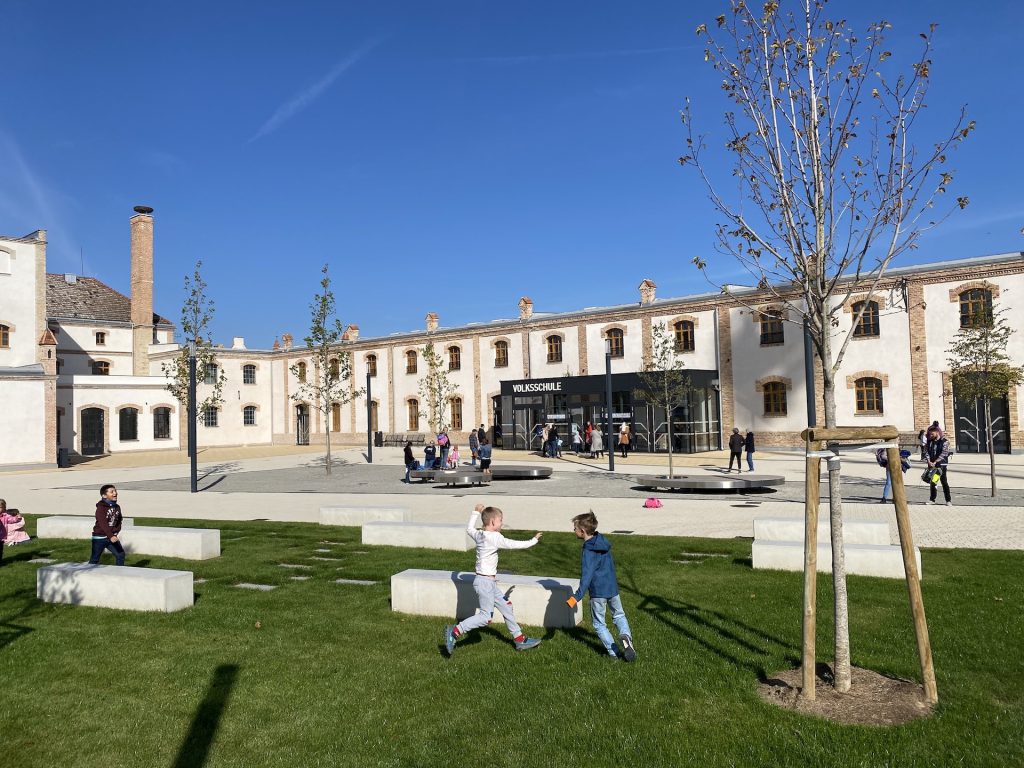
[519,472]
[709,482]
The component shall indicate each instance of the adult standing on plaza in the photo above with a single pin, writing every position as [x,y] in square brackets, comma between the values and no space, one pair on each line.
[596,442]
[481,433]
[445,445]
[410,460]
[937,454]
[474,445]
[552,438]
[748,447]
[538,434]
[577,438]
[586,436]
[624,437]
[736,443]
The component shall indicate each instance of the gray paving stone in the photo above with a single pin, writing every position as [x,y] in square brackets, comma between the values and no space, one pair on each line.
[360,582]
[260,587]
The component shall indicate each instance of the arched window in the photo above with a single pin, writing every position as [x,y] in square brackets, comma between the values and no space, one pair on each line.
[554,349]
[300,372]
[410,361]
[501,354]
[771,328]
[454,358]
[333,369]
[976,308]
[335,417]
[774,398]
[869,395]
[414,414]
[249,416]
[210,417]
[128,422]
[161,423]
[212,372]
[457,414]
[249,374]
[616,345]
[371,365]
[868,325]
[101,368]
[684,336]
[5,336]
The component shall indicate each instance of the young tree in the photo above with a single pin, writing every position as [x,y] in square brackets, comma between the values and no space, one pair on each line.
[196,316]
[981,369]
[437,390]
[328,384]
[828,184]
[663,382]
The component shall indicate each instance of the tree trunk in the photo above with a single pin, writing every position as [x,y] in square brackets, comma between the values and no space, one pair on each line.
[668,412]
[835,500]
[991,444]
[327,433]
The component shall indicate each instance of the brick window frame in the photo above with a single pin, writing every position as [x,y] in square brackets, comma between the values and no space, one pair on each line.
[774,390]
[554,343]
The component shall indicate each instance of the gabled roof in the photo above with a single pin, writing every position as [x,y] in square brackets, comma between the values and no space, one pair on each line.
[89,299]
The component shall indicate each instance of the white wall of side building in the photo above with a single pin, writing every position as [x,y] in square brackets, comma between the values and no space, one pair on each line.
[21,425]
[78,349]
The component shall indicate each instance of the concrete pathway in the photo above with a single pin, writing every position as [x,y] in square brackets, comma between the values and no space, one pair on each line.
[290,484]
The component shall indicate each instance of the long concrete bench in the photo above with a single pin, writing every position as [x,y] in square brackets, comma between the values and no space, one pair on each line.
[855,531]
[360,514]
[71,526]
[427,535]
[885,561]
[186,543]
[110,586]
[539,601]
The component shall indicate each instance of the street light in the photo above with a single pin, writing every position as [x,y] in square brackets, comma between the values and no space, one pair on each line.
[369,422]
[608,404]
[192,415]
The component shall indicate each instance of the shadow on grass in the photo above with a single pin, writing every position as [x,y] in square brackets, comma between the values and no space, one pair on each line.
[11,631]
[195,749]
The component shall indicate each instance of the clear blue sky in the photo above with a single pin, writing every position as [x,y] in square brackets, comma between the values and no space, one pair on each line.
[447,157]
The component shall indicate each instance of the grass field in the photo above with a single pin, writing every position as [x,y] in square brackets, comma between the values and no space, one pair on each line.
[333,677]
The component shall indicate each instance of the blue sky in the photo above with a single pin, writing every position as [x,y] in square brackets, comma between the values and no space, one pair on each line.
[447,157]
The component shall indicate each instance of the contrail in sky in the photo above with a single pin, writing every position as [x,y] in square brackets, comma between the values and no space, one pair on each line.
[304,98]
[577,55]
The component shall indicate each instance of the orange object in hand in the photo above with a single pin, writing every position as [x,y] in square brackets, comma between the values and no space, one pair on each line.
[571,601]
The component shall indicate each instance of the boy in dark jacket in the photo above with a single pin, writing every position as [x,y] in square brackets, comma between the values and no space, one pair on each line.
[108,526]
[598,577]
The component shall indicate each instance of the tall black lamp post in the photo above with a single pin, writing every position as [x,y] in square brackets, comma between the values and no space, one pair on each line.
[192,415]
[608,404]
[369,421]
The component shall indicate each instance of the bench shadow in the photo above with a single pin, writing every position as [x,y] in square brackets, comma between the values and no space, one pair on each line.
[195,749]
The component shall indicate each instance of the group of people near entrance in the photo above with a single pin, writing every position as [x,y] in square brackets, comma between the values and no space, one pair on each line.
[589,440]
[597,578]
[935,453]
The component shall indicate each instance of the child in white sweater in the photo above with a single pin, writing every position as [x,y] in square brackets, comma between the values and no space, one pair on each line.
[488,541]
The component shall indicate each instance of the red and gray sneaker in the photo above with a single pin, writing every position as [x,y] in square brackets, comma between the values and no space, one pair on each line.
[527,643]
[628,651]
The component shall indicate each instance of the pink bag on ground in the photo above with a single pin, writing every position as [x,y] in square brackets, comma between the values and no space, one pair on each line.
[652,503]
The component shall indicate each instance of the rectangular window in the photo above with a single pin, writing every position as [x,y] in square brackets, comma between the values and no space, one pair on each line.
[410,362]
[771,328]
[371,365]
[128,419]
[211,376]
[210,417]
[101,338]
[5,336]
[162,424]
[249,416]
[249,374]
[501,355]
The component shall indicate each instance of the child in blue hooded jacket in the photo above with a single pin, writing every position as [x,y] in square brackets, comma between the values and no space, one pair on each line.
[598,577]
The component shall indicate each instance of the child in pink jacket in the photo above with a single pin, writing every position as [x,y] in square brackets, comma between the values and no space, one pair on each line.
[12,525]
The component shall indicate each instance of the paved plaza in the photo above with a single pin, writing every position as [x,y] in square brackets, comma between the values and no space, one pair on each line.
[289,483]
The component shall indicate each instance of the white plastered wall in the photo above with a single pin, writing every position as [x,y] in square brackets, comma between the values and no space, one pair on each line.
[21,423]
[18,304]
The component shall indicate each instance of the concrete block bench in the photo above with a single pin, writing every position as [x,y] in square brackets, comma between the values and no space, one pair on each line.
[539,601]
[427,535]
[885,561]
[855,531]
[110,586]
[186,543]
[71,526]
[359,514]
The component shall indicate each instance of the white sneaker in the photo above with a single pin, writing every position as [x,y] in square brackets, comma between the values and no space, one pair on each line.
[929,502]
[949,503]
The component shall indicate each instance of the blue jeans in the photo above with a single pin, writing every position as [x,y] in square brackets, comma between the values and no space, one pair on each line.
[888,485]
[598,605]
[552,449]
[114,547]
[444,457]
[489,596]
[750,460]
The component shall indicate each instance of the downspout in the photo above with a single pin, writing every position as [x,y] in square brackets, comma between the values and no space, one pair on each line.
[718,374]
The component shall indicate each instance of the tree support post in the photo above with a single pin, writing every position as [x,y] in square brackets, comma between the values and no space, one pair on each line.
[812,483]
[924,648]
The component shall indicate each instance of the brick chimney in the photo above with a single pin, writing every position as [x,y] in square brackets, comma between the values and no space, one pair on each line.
[525,308]
[647,288]
[432,319]
[352,332]
[142,288]
[286,340]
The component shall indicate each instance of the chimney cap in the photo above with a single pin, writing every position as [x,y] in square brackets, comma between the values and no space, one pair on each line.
[142,209]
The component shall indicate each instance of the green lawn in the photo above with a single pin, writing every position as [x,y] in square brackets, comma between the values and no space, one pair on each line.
[333,677]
